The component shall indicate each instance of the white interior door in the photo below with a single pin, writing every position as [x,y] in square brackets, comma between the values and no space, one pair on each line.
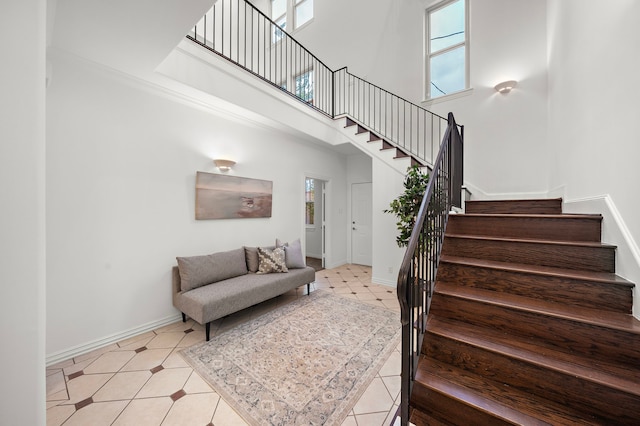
[361,218]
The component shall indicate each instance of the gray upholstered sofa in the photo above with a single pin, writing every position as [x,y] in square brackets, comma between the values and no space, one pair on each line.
[209,287]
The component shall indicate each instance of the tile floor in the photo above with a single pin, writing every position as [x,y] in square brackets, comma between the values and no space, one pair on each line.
[143,381]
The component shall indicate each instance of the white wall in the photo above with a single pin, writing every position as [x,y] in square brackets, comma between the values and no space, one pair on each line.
[121,163]
[506,149]
[379,42]
[22,217]
[593,110]
[121,159]
[387,256]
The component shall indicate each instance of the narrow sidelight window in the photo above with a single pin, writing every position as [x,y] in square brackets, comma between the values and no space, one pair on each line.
[310,201]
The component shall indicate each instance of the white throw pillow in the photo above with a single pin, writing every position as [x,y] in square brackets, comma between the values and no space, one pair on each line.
[293,253]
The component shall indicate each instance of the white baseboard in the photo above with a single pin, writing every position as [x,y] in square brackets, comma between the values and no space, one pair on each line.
[557,192]
[384,281]
[478,194]
[615,232]
[114,338]
[335,264]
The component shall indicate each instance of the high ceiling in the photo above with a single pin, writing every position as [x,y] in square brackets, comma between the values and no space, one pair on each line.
[132,36]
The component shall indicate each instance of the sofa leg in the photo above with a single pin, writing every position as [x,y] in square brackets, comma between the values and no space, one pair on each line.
[184,317]
[308,289]
[208,329]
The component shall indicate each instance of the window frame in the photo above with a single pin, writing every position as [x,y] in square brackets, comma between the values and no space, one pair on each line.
[295,5]
[310,199]
[290,14]
[428,88]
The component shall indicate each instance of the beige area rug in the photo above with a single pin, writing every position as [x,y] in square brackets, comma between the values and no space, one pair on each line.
[305,363]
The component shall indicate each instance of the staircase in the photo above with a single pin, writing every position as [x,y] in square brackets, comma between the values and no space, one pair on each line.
[528,324]
[379,147]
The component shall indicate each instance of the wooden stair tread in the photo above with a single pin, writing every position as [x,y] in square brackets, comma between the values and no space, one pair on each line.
[600,318]
[565,227]
[609,375]
[524,200]
[349,122]
[532,241]
[505,402]
[543,206]
[536,216]
[605,277]
[419,418]
[386,145]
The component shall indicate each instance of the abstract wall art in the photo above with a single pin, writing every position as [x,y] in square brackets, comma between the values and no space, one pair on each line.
[230,197]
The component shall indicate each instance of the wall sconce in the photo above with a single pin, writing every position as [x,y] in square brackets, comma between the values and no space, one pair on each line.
[224,165]
[506,86]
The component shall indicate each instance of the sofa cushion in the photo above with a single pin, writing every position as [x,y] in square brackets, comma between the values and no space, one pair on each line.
[271,260]
[196,271]
[251,254]
[293,254]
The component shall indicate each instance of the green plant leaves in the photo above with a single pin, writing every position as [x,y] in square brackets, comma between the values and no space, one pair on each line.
[407,205]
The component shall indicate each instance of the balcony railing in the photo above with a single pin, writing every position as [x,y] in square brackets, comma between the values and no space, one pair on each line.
[242,34]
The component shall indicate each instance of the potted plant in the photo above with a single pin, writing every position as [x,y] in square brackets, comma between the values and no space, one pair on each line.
[406,208]
[407,205]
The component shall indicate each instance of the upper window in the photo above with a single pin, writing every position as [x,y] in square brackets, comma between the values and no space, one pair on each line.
[303,12]
[446,48]
[298,11]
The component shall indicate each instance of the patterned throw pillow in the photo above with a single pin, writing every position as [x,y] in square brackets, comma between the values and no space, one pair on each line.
[271,260]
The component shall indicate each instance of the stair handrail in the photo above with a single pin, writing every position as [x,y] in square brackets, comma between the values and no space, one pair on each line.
[239,32]
[419,267]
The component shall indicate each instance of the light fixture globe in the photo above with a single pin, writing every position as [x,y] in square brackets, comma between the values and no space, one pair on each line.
[506,86]
[224,165]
